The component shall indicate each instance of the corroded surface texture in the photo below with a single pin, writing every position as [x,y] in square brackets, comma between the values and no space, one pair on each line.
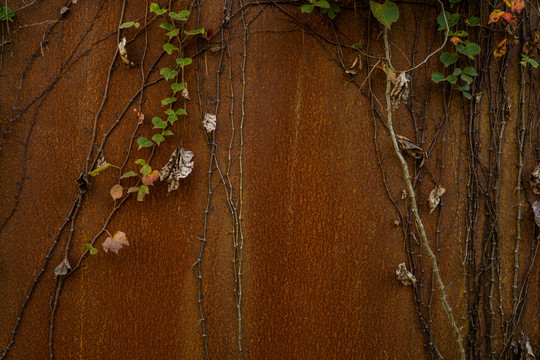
[321,244]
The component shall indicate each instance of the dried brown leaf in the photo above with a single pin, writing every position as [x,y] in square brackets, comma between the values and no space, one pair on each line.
[63,268]
[500,48]
[410,148]
[116,242]
[209,122]
[117,191]
[434,197]
[405,276]
[530,48]
[178,167]
[536,211]
[535,180]
[123,52]
[400,91]
[185,93]
[523,347]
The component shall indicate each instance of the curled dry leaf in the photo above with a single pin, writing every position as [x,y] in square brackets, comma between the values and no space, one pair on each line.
[123,52]
[150,178]
[140,115]
[523,348]
[536,211]
[400,91]
[209,122]
[116,242]
[352,70]
[535,180]
[178,167]
[117,191]
[500,48]
[64,10]
[185,93]
[410,148]
[530,48]
[63,268]
[434,197]
[455,40]
[405,276]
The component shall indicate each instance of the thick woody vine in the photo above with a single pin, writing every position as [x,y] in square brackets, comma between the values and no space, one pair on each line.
[470,38]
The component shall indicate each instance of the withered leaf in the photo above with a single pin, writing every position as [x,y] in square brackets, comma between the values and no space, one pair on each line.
[185,93]
[352,70]
[150,178]
[434,197]
[209,122]
[117,191]
[530,48]
[535,180]
[410,148]
[400,91]
[178,167]
[536,211]
[523,348]
[63,268]
[116,242]
[405,276]
[123,52]
[500,48]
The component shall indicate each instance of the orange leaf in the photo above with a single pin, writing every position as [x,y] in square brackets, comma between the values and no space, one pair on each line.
[150,178]
[117,191]
[515,5]
[500,48]
[496,15]
[455,40]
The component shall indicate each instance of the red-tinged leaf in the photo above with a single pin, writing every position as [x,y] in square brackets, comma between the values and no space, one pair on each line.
[117,191]
[150,178]
[496,15]
[511,18]
[116,242]
[455,40]
[515,5]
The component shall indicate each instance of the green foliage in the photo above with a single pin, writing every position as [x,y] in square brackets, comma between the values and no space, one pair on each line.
[6,14]
[460,77]
[527,60]
[154,7]
[92,250]
[386,13]
[129,24]
[331,11]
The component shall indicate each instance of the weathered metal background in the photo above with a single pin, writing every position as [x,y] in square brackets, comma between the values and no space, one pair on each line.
[321,246]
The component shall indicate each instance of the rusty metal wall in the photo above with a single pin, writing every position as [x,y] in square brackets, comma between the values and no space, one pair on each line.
[320,244]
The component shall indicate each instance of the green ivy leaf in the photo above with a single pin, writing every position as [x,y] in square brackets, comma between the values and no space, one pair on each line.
[146,169]
[472,22]
[158,138]
[167,133]
[96,171]
[437,77]
[180,112]
[307,8]
[128,174]
[6,14]
[140,162]
[172,118]
[467,95]
[143,190]
[129,24]
[181,16]
[166,26]
[466,78]
[144,142]
[169,48]
[156,9]
[168,74]
[195,32]
[168,101]
[173,33]
[386,13]
[322,4]
[133,189]
[470,71]
[468,48]
[176,87]
[184,62]
[457,71]
[92,250]
[461,33]
[451,79]
[159,123]
[448,59]
[465,87]
[450,19]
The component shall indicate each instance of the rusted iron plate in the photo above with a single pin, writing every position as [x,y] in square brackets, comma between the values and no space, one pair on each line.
[320,243]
